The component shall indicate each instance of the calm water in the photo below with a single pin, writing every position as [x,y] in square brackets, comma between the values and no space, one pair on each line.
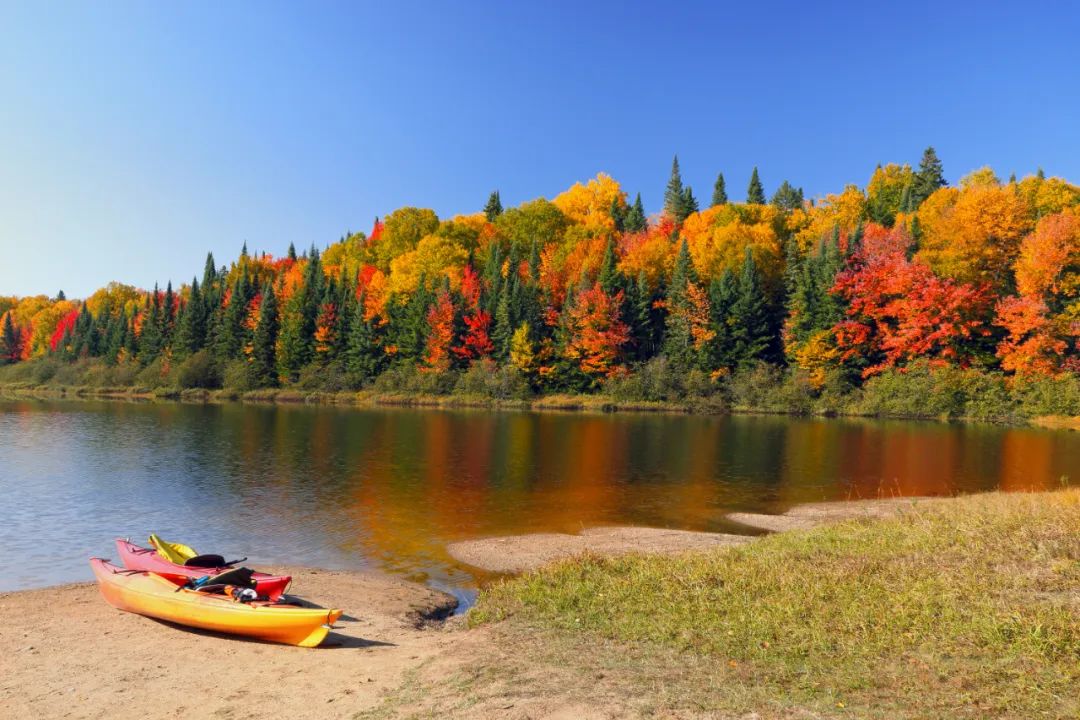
[348,488]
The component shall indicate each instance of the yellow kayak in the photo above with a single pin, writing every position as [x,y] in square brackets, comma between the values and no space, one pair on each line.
[151,595]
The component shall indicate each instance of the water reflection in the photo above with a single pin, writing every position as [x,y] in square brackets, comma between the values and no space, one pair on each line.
[390,488]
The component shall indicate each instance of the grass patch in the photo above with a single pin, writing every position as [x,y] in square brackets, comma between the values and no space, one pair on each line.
[964,608]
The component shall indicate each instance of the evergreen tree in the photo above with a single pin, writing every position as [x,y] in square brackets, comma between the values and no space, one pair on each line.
[928,178]
[114,337]
[609,274]
[263,364]
[191,327]
[297,324]
[788,197]
[150,340]
[231,330]
[61,296]
[906,198]
[10,341]
[292,249]
[364,356]
[674,195]
[751,331]
[642,320]
[635,218]
[722,295]
[719,193]
[209,272]
[168,315]
[678,340]
[494,207]
[755,193]
[618,214]
[689,204]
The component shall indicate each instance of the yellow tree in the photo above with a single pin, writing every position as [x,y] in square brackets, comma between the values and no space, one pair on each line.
[590,204]
[973,233]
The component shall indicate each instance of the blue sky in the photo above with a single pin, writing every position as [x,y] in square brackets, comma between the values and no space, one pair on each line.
[134,137]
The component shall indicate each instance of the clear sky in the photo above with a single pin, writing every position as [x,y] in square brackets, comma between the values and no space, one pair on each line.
[136,136]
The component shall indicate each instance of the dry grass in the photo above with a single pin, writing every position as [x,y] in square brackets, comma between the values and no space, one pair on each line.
[965,609]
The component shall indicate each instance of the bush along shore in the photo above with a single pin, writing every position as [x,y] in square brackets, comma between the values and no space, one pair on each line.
[920,391]
[904,298]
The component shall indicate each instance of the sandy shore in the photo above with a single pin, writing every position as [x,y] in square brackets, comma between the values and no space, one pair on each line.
[519,553]
[65,653]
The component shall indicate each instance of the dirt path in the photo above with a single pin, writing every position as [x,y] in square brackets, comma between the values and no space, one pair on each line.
[65,653]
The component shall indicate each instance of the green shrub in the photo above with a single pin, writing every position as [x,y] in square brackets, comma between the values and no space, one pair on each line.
[485,378]
[235,376]
[1048,395]
[199,371]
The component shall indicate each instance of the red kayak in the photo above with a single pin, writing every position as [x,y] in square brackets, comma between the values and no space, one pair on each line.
[146,559]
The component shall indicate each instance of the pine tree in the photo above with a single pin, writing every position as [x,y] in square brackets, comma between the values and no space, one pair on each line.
[674,197]
[723,293]
[635,218]
[494,207]
[618,214]
[755,193]
[364,356]
[291,254]
[297,325]
[168,315]
[642,321]
[263,363]
[609,274]
[928,178]
[150,341]
[231,331]
[689,204]
[751,331]
[788,197]
[191,327]
[677,340]
[719,193]
[10,341]
[61,296]
[209,273]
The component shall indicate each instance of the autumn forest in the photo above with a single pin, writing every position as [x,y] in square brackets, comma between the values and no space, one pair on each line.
[976,286]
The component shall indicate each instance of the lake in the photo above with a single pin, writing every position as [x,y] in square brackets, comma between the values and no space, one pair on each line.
[389,488]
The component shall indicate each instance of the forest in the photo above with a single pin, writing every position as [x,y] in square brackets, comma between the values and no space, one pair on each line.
[906,282]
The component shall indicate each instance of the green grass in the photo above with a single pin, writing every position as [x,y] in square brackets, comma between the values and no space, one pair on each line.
[967,608]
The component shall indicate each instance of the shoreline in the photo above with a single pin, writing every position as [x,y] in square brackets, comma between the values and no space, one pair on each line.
[396,649]
[561,403]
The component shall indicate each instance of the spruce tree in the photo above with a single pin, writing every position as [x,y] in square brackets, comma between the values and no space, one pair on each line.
[755,193]
[609,274]
[10,341]
[61,296]
[262,368]
[168,316]
[150,341]
[928,178]
[788,197]
[503,330]
[618,214]
[677,339]
[719,193]
[191,327]
[291,254]
[209,273]
[642,321]
[494,207]
[689,204]
[674,195]
[723,293]
[364,356]
[751,332]
[635,219]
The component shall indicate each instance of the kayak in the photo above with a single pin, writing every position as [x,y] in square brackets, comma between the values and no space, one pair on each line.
[154,596]
[139,558]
